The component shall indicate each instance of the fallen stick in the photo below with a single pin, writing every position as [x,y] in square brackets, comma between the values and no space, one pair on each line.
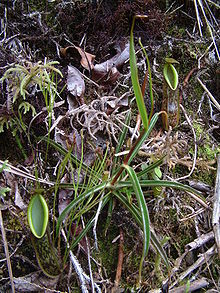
[198,242]
[203,258]
[7,253]
[216,209]
[120,259]
[196,285]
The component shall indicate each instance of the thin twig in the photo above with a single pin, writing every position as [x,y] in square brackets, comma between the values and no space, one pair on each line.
[217,105]
[198,17]
[7,253]
[77,266]
[89,258]
[216,209]
[198,242]
[195,146]
[19,172]
[195,285]
[120,259]
[81,274]
[200,261]
[96,221]
[18,245]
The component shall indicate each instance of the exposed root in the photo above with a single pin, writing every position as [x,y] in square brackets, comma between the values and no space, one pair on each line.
[94,118]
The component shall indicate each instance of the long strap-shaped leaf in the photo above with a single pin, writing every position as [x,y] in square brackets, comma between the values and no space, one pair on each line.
[121,141]
[136,215]
[135,80]
[143,137]
[163,183]
[150,80]
[144,214]
[150,167]
[88,225]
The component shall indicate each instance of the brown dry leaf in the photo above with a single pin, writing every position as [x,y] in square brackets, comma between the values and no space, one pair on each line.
[108,71]
[14,190]
[75,82]
[68,138]
[104,77]
[76,229]
[87,59]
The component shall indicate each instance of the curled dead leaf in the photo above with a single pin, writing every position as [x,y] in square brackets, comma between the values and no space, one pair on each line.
[87,59]
[104,77]
[108,71]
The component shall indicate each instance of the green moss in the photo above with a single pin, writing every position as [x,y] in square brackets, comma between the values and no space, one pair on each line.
[215,268]
[205,149]
[197,91]
[183,241]
[173,215]
[108,251]
[206,155]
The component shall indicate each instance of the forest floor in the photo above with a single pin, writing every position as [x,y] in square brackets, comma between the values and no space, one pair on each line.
[61,126]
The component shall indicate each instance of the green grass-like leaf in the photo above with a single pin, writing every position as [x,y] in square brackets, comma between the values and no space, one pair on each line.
[75,161]
[151,167]
[88,225]
[144,214]
[135,212]
[161,183]
[143,137]
[150,80]
[135,80]
[77,201]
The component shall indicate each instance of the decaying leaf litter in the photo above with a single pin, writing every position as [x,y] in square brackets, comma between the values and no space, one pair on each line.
[83,111]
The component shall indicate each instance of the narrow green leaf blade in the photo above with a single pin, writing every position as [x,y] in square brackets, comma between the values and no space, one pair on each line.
[143,138]
[60,149]
[76,201]
[135,212]
[150,80]
[135,80]
[151,167]
[164,183]
[161,183]
[144,214]
[88,226]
